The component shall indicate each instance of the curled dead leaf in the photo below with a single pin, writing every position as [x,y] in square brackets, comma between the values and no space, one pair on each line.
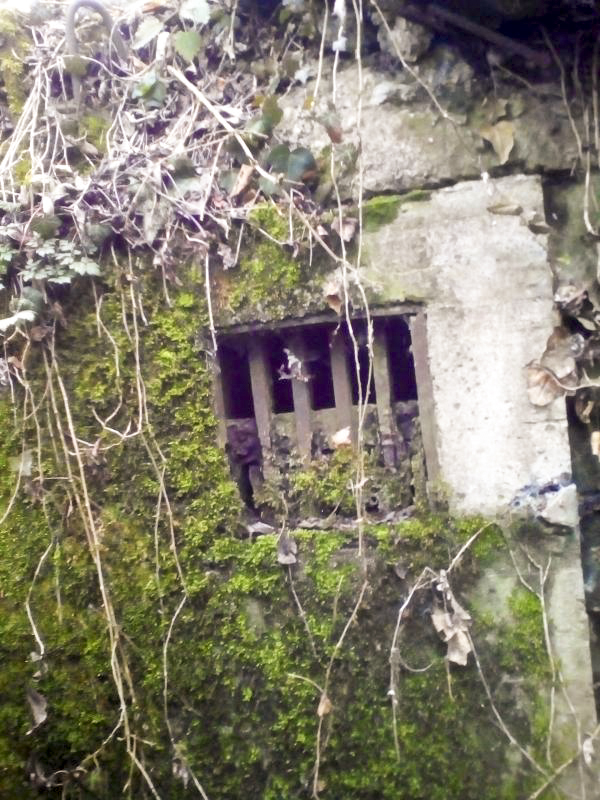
[555,374]
[501,137]
[452,622]
[333,295]
[346,228]
[286,550]
[39,709]
[342,438]
[595,443]
[242,180]
[325,706]
[505,208]
[542,386]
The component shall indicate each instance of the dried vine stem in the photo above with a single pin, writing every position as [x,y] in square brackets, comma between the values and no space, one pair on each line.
[324,704]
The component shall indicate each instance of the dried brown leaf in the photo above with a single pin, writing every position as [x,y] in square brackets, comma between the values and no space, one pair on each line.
[505,208]
[325,706]
[342,438]
[501,137]
[542,387]
[39,709]
[242,180]
[346,229]
[286,550]
[595,443]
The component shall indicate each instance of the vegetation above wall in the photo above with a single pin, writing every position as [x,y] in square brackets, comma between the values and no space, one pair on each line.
[148,649]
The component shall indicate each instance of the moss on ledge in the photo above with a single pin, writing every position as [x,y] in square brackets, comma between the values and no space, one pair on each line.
[271,282]
[383,209]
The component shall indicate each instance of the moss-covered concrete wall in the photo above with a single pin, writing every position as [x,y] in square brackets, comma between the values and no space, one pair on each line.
[150,647]
[167,650]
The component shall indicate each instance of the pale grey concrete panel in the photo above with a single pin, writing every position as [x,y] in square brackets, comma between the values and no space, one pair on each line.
[487,287]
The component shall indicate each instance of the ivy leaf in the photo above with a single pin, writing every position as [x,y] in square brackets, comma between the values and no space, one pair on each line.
[187,44]
[268,187]
[85,267]
[148,29]
[301,165]
[152,90]
[195,11]
[278,157]
[272,113]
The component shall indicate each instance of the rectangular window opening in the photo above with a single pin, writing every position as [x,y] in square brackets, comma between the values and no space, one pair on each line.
[286,389]
[402,365]
[235,380]
[281,385]
[361,350]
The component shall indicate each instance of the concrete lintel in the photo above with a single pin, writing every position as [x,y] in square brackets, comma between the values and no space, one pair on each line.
[328,317]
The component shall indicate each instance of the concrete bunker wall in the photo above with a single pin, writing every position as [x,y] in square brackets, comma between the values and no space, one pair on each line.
[485,281]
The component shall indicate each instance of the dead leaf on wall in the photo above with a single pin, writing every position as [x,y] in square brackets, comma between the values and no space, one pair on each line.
[505,208]
[39,709]
[325,706]
[242,180]
[333,295]
[286,550]
[346,229]
[452,622]
[342,438]
[555,374]
[542,386]
[595,443]
[501,136]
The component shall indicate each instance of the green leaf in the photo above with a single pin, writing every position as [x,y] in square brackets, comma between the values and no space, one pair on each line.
[268,187]
[152,90]
[301,165]
[195,10]
[31,299]
[85,267]
[278,157]
[271,111]
[187,44]
[147,30]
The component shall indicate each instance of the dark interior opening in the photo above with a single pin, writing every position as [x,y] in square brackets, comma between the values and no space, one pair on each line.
[316,340]
[235,379]
[359,329]
[403,382]
[283,400]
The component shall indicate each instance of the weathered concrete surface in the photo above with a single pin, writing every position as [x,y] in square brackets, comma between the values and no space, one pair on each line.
[569,634]
[407,143]
[487,289]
